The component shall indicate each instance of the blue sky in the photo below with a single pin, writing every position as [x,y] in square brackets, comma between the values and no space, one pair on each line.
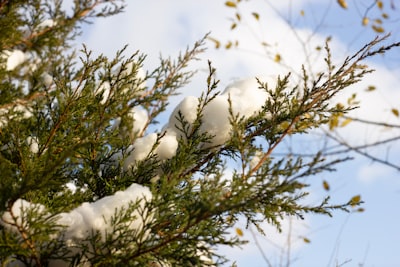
[363,239]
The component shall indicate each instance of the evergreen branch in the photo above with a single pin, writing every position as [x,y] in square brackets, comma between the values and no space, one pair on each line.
[26,101]
[24,233]
[172,78]
[335,82]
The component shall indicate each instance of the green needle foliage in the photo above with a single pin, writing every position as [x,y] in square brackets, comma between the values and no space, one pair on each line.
[57,128]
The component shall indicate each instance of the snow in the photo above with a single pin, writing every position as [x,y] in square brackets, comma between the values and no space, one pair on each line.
[140,117]
[188,109]
[97,215]
[246,99]
[246,96]
[167,147]
[33,143]
[140,75]
[22,111]
[16,217]
[14,59]
[216,120]
[47,79]
[256,159]
[140,150]
[203,252]
[88,217]
[104,89]
[47,23]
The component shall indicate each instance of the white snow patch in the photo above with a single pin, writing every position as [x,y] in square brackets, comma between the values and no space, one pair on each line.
[14,59]
[88,217]
[167,147]
[246,98]
[104,89]
[47,79]
[143,146]
[140,150]
[16,217]
[97,215]
[48,23]
[22,113]
[140,117]
[33,143]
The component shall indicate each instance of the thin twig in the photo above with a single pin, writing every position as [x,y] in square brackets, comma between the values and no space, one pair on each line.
[260,249]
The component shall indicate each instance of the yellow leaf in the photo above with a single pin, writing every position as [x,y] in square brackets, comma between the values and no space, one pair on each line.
[345,122]
[339,106]
[233,26]
[370,88]
[238,16]
[333,122]
[306,240]
[228,45]
[395,112]
[215,41]
[378,29]
[230,4]
[284,125]
[256,15]
[365,21]
[342,3]
[306,115]
[277,58]
[325,185]
[352,100]
[378,21]
[239,232]
[360,210]
[379,4]
[385,15]
[302,13]
[355,200]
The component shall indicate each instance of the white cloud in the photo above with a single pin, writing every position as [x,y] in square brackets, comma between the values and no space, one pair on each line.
[372,173]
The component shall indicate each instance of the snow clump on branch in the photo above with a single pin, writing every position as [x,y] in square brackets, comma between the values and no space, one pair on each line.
[246,100]
[14,59]
[88,217]
[97,215]
[143,147]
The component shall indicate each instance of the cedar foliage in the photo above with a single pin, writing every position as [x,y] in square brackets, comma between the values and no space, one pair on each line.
[193,207]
